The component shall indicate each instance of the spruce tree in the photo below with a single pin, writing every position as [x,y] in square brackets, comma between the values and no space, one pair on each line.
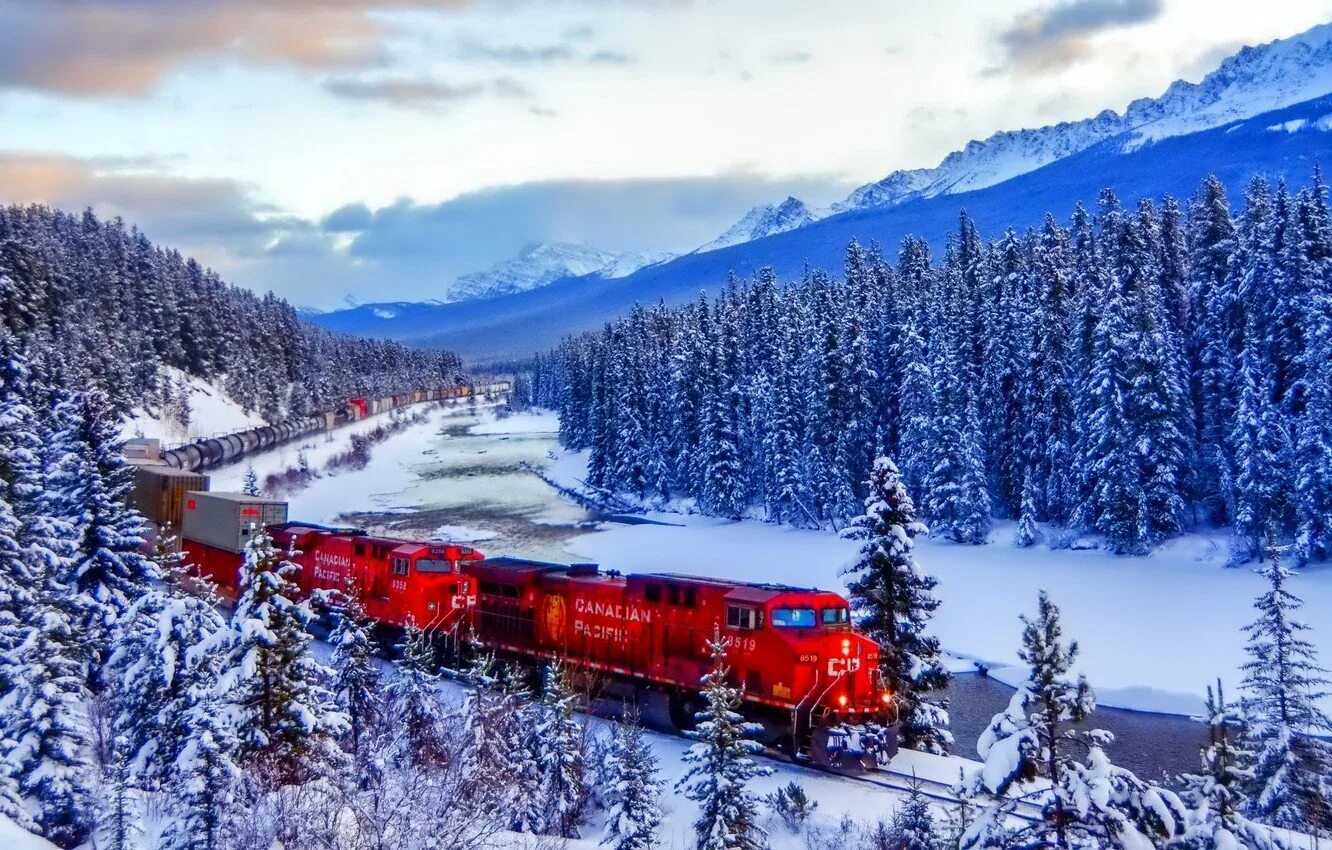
[1215,796]
[413,698]
[558,736]
[355,674]
[119,824]
[1213,351]
[46,724]
[273,690]
[250,486]
[1084,803]
[1028,532]
[895,601]
[1283,685]
[633,788]
[209,780]
[1313,444]
[107,572]
[914,826]
[721,765]
[161,664]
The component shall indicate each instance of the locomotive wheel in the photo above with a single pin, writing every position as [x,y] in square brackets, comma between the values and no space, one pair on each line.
[683,708]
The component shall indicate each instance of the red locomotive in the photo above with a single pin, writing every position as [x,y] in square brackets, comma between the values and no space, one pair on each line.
[807,676]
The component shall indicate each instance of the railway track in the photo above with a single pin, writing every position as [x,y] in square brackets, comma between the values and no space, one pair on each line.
[900,781]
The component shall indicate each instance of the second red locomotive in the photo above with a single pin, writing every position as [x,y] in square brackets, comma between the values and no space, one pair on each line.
[806,675]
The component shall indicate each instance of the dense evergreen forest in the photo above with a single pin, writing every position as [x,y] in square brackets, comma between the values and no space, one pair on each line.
[1131,374]
[99,305]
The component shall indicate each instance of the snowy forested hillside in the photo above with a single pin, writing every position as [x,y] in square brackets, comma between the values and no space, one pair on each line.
[99,305]
[1132,374]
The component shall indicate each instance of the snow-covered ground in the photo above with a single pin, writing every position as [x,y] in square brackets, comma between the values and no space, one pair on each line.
[211,413]
[14,838]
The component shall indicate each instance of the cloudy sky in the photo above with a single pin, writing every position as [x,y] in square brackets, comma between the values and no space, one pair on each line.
[379,148]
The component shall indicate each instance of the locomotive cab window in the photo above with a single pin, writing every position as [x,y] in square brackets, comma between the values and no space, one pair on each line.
[400,566]
[652,593]
[434,565]
[740,617]
[793,618]
[836,616]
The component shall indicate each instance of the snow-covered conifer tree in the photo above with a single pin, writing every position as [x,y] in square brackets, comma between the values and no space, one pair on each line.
[207,784]
[721,765]
[1283,685]
[1031,737]
[633,789]
[161,666]
[559,743]
[914,826]
[119,823]
[107,572]
[250,487]
[1028,532]
[894,601]
[412,695]
[273,689]
[1311,264]
[46,724]
[1091,803]
[355,675]
[1216,795]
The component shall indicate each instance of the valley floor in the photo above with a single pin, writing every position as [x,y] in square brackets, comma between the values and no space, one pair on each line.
[1154,631]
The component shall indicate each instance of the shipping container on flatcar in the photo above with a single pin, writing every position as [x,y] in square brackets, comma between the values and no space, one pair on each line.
[159,492]
[227,521]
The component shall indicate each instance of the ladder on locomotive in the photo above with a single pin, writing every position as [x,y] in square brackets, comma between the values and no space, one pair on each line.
[808,716]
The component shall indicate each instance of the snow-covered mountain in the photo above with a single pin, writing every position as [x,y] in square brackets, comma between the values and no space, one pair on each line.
[535,266]
[1254,80]
[628,263]
[765,220]
[546,262]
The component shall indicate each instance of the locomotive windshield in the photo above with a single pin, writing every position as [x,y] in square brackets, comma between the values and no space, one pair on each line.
[429,565]
[793,618]
[835,616]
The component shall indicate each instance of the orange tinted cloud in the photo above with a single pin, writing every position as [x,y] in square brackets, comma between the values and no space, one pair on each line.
[125,47]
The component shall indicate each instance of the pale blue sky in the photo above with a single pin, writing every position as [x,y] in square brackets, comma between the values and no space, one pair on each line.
[234,129]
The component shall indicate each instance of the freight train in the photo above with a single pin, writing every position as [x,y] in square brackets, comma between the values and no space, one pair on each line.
[216,451]
[807,676]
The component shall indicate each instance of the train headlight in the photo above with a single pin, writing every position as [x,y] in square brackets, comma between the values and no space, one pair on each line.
[887,697]
[842,700]
[846,646]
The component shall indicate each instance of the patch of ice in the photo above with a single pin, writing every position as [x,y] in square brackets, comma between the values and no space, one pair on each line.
[527,422]
[461,534]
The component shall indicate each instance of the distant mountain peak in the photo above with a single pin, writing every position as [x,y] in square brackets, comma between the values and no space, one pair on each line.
[543,263]
[765,220]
